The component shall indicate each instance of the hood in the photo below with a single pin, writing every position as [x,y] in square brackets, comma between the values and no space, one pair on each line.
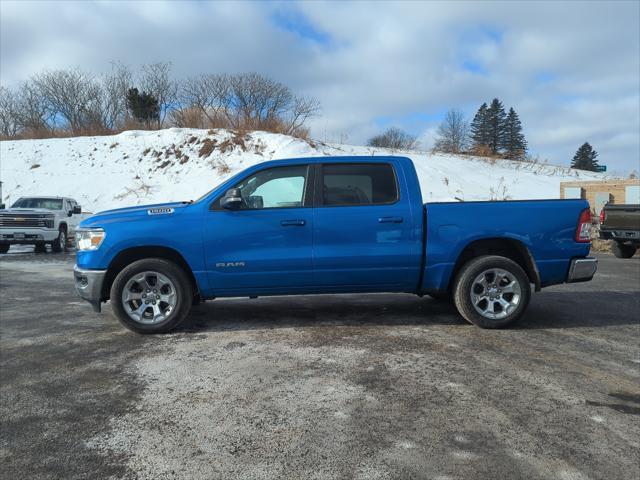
[138,213]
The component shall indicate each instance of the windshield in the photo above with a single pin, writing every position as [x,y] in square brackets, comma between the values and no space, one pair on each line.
[48,203]
[202,197]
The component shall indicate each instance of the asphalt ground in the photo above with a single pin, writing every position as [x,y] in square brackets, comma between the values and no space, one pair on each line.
[319,387]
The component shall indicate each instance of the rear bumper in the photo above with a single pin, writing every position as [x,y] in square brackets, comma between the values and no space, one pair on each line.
[582,269]
[621,235]
[89,285]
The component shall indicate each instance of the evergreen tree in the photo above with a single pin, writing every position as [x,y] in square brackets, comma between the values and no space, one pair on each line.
[513,141]
[479,129]
[495,125]
[143,106]
[585,158]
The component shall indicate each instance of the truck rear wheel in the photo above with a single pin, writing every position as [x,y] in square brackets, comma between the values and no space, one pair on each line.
[151,296]
[60,243]
[491,291]
[621,250]
[4,247]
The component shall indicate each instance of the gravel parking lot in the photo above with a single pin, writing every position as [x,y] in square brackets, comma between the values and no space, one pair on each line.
[322,387]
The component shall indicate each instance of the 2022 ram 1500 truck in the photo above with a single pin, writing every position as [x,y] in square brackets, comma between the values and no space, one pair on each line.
[329,225]
[39,221]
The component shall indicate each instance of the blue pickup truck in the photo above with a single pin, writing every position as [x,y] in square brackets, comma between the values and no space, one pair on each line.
[329,225]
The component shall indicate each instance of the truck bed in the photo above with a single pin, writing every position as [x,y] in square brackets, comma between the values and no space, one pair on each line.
[545,228]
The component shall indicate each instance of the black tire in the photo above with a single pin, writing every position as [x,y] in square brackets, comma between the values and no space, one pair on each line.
[464,282]
[40,247]
[621,250]
[4,247]
[183,290]
[60,243]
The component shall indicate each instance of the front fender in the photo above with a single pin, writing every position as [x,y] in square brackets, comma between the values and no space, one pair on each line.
[182,234]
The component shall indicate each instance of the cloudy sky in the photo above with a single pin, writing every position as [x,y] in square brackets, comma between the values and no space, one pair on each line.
[570,69]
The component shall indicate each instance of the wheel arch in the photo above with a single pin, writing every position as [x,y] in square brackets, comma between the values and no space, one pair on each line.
[502,246]
[133,254]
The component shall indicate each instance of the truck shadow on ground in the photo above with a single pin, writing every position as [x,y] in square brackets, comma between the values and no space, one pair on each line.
[313,310]
[549,310]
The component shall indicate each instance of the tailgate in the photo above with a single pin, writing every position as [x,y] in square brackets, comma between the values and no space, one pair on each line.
[621,217]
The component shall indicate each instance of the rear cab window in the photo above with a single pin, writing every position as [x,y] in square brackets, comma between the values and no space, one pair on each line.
[358,184]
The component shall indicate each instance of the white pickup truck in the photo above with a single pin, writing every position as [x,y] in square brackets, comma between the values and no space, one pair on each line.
[40,221]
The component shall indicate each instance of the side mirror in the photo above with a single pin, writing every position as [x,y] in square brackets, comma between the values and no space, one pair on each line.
[232,200]
[77,210]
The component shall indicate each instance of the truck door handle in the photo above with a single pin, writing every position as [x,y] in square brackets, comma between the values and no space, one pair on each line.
[293,223]
[390,220]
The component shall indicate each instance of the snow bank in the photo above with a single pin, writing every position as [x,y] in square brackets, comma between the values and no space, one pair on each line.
[138,167]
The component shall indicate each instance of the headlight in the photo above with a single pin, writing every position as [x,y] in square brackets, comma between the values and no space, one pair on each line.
[48,221]
[89,239]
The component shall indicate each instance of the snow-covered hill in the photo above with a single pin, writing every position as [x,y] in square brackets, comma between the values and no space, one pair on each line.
[138,167]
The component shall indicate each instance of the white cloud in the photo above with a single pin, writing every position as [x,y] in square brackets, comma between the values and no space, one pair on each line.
[570,69]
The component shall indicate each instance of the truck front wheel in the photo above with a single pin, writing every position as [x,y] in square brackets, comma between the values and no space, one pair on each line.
[4,247]
[60,243]
[151,296]
[491,291]
[621,250]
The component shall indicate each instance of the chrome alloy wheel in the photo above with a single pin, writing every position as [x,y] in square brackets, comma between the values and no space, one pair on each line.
[149,297]
[495,293]
[62,240]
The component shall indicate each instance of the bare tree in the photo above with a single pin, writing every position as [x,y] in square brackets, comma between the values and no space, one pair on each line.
[155,78]
[73,95]
[246,101]
[394,138]
[210,94]
[81,103]
[453,133]
[257,98]
[33,113]
[115,86]
[302,109]
[258,102]
[9,125]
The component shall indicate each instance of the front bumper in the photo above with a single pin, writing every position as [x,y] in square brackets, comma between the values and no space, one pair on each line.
[582,269]
[89,285]
[27,235]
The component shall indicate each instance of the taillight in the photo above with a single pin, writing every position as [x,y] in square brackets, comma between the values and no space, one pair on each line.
[583,230]
[601,216]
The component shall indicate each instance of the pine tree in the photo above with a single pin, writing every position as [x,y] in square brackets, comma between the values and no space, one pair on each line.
[143,106]
[585,158]
[513,141]
[479,130]
[495,125]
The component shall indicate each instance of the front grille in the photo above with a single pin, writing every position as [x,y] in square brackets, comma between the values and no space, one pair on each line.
[26,221]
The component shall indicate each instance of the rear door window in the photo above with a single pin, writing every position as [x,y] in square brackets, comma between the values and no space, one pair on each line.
[358,184]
